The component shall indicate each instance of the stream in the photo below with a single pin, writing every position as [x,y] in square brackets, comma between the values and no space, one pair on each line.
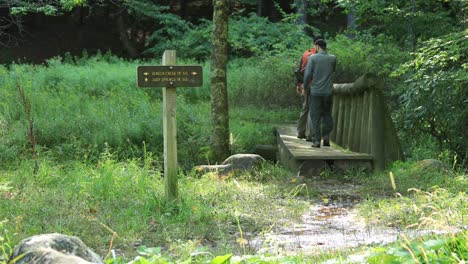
[330,225]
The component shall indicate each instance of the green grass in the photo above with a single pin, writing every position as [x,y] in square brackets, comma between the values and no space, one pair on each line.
[99,140]
[81,108]
[90,200]
[121,202]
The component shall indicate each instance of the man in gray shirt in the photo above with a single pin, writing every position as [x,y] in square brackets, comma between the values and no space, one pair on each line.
[320,68]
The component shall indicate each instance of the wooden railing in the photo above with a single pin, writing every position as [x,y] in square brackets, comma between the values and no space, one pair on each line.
[362,122]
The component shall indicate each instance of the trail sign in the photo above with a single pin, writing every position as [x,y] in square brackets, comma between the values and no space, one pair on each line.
[169,76]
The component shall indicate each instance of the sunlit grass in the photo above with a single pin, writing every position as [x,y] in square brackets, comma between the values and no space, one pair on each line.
[88,200]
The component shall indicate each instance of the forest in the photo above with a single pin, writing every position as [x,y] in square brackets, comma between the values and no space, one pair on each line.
[83,150]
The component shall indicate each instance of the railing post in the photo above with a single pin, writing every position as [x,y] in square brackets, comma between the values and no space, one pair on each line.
[339,119]
[335,108]
[352,121]
[357,127]
[364,144]
[362,123]
[377,130]
[344,136]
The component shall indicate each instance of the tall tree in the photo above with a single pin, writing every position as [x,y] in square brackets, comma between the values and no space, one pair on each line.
[219,96]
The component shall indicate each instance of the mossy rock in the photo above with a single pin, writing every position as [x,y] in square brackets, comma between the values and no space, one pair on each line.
[53,249]
[432,165]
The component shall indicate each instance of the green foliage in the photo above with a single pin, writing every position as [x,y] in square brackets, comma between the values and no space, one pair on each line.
[84,105]
[192,42]
[267,82]
[451,249]
[256,36]
[248,36]
[6,248]
[50,8]
[427,249]
[417,174]
[434,102]
[423,195]
[127,198]
[79,107]
[421,210]
[170,31]
[365,54]
[408,21]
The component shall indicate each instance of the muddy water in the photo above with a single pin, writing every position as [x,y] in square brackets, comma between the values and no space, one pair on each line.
[329,225]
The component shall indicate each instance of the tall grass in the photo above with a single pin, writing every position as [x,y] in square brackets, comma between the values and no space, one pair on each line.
[82,106]
[422,198]
[124,201]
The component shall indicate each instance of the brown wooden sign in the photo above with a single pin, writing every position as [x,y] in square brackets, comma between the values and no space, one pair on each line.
[169,76]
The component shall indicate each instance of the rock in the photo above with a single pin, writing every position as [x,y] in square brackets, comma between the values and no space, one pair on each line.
[49,256]
[244,161]
[432,165]
[53,249]
[220,169]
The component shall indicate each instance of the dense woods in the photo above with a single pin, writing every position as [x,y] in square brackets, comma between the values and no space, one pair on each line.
[81,147]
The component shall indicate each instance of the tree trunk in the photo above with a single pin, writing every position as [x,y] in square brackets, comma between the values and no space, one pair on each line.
[260,7]
[411,35]
[304,19]
[351,23]
[127,44]
[219,97]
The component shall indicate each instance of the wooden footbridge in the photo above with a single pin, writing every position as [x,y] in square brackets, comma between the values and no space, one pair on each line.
[363,135]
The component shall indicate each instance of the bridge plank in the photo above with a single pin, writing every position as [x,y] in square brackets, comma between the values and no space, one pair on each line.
[302,150]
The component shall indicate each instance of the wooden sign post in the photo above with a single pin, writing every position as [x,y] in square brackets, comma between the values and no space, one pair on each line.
[169,76]
[170,133]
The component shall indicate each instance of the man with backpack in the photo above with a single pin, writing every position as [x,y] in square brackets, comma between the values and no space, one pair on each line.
[320,68]
[304,122]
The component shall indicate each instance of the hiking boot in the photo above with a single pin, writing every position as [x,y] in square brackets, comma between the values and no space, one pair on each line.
[301,135]
[309,139]
[316,144]
[326,143]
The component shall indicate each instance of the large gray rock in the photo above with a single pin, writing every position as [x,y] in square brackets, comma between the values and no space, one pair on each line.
[432,165]
[244,161]
[220,169]
[53,249]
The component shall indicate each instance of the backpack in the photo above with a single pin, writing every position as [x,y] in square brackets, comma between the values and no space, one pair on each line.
[299,72]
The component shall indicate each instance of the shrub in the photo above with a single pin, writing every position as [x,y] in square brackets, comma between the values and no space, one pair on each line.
[365,54]
[434,102]
[265,82]
[248,36]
